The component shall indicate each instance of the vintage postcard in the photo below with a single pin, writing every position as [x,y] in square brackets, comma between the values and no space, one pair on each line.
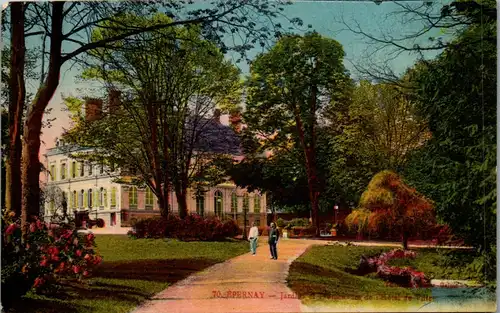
[249,156]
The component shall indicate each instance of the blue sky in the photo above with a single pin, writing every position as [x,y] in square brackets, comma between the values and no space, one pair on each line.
[324,16]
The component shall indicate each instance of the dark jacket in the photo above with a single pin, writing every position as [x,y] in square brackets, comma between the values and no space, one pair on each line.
[274,235]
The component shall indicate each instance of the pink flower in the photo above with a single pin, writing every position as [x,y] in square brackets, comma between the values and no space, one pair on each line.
[85,273]
[67,234]
[39,224]
[75,241]
[76,269]
[50,233]
[43,262]
[90,237]
[32,227]
[97,260]
[78,253]
[38,282]
[10,229]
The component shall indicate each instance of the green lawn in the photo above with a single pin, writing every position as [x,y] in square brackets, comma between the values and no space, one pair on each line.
[324,272]
[132,271]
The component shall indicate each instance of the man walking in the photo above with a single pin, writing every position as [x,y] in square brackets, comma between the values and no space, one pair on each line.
[273,240]
[253,235]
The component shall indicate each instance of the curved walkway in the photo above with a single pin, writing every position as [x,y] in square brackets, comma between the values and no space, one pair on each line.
[237,285]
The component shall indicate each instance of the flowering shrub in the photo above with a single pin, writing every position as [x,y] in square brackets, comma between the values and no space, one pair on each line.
[403,276]
[48,254]
[193,227]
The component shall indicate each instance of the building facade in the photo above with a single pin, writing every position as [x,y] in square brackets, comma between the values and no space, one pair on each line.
[93,187]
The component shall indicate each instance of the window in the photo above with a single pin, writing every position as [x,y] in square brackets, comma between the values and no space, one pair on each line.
[81,199]
[101,197]
[234,202]
[75,199]
[82,170]
[105,198]
[256,204]
[102,168]
[73,169]
[218,203]
[90,198]
[113,197]
[132,200]
[200,205]
[52,172]
[149,198]
[63,171]
[246,202]
[90,169]
[52,207]
[96,198]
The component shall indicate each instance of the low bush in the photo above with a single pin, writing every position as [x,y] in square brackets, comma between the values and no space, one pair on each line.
[303,231]
[193,227]
[303,222]
[49,254]
[281,222]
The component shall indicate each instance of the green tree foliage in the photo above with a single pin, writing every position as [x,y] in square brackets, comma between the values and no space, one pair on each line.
[388,204]
[374,129]
[456,93]
[171,88]
[287,89]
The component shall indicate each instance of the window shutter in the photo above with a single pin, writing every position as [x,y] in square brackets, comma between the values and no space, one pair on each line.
[113,196]
[96,198]
[55,172]
[70,200]
[105,198]
[84,199]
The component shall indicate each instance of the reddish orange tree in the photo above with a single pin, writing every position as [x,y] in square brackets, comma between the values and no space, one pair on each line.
[389,204]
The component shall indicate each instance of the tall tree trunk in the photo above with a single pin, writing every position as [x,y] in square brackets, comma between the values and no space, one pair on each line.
[181,196]
[405,236]
[16,107]
[311,171]
[33,126]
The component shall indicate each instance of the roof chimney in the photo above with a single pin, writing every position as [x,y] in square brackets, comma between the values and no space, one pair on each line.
[93,109]
[235,120]
[113,101]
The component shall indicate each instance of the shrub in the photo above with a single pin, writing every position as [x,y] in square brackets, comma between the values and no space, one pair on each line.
[300,222]
[48,255]
[193,227]
[280,222]
[303,231]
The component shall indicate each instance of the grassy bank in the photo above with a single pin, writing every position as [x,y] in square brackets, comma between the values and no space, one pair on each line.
[132,271]
[323,272]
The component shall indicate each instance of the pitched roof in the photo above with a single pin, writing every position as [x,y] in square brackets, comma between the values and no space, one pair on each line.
[215,137]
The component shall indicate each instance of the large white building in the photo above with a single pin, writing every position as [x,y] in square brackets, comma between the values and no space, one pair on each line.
[93,187]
